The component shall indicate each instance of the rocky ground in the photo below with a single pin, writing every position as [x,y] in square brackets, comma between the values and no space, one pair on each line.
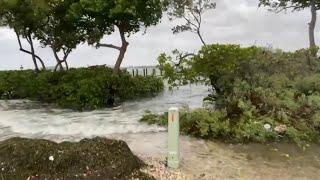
[97,158]
[156,167]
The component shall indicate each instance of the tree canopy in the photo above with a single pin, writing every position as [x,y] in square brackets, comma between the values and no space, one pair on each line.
[101,17]
[297,5]
[191,12]
[61,32]
[25,17]
[62,25]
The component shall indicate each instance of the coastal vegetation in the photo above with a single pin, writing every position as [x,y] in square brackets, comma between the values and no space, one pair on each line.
[63,25]
[78,89]
[259,94]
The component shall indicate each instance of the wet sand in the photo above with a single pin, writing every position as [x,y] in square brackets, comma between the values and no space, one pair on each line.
[215,160]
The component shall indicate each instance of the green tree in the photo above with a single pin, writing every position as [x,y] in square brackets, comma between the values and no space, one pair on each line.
[103,17]
[25,17]
[61,32]
[297,5]
[191,12]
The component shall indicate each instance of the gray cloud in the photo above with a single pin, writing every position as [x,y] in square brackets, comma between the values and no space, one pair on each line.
[234,21]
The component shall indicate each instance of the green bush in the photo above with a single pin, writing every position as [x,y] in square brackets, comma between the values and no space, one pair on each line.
[253,87]
[80,89]
[206,124]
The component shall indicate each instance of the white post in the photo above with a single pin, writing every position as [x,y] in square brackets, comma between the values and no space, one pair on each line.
[173,138]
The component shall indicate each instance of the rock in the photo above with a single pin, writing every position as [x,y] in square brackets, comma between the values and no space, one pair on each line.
[41,159]
[281,128]
[156,168]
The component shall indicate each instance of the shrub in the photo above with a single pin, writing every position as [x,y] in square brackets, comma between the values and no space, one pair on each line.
[252,87]
[206,124]
[80,89]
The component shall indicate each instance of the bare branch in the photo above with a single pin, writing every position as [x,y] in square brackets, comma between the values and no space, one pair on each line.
[181,57]
[285,8]
[192,14]
[108,45]
[195,17]
[191,23]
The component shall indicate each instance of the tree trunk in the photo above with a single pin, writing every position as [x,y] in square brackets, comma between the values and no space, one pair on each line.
[33,53]
[312,25]
[28,52]
[123,50]
[59,63]
[42,64]
[201,38]
[66,63]
[34,56]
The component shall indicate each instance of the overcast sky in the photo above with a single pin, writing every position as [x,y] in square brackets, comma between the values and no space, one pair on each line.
[234,21]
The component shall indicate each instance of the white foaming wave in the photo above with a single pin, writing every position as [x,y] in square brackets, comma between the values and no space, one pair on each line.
[86,124]
[31,119]
[87,131]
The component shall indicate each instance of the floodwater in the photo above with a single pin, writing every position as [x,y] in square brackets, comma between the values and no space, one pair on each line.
[200,159]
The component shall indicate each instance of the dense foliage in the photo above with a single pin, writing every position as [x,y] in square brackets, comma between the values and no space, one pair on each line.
[260,94]
[81,89]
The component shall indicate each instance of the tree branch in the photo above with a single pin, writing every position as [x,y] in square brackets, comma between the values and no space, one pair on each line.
[28,52]
[195,17]
[108,45]
[278,9]
[59,63]
[181,58]
[66,53]
[191,23]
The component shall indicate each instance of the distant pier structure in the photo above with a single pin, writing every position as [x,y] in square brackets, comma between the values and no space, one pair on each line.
[144,71]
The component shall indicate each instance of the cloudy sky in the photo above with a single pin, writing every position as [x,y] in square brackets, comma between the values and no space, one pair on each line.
[234,21]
